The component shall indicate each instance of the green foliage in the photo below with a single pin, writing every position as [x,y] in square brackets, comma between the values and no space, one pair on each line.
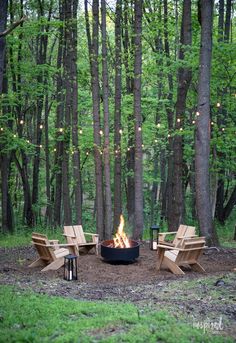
[29,317]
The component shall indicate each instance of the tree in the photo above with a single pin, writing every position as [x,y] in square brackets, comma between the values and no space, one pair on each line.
[138,172]
[202,139]
[117,119]
[175,217]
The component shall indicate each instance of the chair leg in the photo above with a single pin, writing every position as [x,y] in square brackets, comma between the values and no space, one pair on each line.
[39,262]
[173,266]
[54,265]
[197,267]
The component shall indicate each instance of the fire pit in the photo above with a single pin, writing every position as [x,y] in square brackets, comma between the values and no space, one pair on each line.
[112,254]
[120,249]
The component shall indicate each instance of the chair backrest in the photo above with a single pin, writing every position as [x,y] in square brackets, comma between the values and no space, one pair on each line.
[41,244]
[183,231]
[79,233]
[193,248]
[70,235]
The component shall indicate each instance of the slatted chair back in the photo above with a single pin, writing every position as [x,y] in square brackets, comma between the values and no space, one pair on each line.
[41,244]
[192,249]
[69,233]
[79,234]
[183,231]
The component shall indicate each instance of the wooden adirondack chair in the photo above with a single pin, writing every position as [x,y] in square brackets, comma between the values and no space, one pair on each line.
[183,231]
[75,234]
[188,253]
[51,253]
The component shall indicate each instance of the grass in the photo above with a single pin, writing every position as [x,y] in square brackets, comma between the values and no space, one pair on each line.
[29,317]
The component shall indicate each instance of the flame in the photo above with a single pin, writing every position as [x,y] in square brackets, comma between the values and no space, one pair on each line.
[121,240]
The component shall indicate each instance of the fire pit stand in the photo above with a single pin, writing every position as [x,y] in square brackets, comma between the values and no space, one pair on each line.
[112,254]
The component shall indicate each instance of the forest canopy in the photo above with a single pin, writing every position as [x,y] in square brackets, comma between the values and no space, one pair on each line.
[110,107]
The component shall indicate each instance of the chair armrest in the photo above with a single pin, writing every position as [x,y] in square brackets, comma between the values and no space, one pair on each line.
[91,234]
[162,246]
[187,236]
[167,233]
[68,235]
[53,241]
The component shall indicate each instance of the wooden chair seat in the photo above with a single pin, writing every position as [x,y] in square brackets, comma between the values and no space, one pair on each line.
[75,235]
[187,254]
[51,253]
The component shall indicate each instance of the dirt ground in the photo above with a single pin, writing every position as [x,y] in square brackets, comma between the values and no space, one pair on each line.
[196,297]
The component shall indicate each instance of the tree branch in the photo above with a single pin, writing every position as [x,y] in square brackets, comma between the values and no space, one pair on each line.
[14,25]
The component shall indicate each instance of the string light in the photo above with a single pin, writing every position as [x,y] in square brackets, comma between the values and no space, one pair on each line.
[81,131]
[223,129]
[212,123]
[168,135]
[28,141]
[178,120]
[139,128]
[128,149]
[116,151]
[101,132]
[156,141]
[193,122]
[87,153]
[61,129]
[14,136]
[100,152]
[41,126]
[2,129]
[40,146]
[181,129]
[21,121]
[54,149]
[197,113]
[142,145]
[158,125]
[120,131]
[218,104]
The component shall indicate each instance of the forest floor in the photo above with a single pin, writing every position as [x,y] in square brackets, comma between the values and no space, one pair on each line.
[204,301]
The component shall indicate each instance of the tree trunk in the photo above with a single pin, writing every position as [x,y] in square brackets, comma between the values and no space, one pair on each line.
[227,20]
[175,217]
[105,91]
[117,120]
[202,139]
[221,21]
[74,89]
[59,127]
[128,56]
[93,54]
[138,172]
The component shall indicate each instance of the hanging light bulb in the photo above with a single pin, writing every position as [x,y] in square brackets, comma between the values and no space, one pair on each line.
[41,126]
[61,129]
[158,125]
[101,132]
[81,131]
[193,122]
[178,120]
[21,121]
[120,131]
[139,128]
[197,113]
[218,104]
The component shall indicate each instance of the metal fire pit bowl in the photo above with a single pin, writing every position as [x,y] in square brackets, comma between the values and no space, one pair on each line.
[111,254]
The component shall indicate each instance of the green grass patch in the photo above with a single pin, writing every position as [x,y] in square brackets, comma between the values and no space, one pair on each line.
[29,317]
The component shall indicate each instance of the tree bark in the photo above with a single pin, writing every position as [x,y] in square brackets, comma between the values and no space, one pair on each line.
[117,120]
[138,172]
[105,91]
[175,217]
[93,54]
[227,20]
[60,98]
[202,139]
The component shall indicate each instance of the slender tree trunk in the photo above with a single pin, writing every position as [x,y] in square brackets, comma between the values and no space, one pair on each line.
[227,20]
[128,56]
[117,120]
[74,89]
[221,21]
[59,127]
[93,53]
[67,7]
[175,217]
[105,91]
[202,140]
[138,172]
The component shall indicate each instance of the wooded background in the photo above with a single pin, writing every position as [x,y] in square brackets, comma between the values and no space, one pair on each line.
[117,106]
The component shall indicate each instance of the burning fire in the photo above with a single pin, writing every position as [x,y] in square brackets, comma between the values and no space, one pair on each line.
[121,240]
